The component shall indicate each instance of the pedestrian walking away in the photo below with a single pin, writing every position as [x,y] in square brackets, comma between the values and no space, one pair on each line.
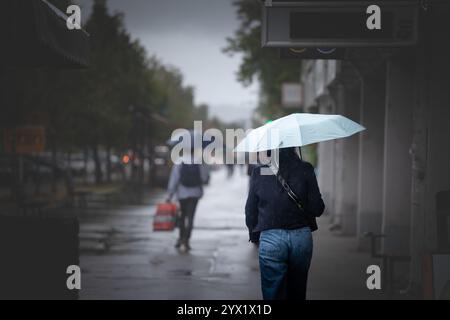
[280,214]
[186,184]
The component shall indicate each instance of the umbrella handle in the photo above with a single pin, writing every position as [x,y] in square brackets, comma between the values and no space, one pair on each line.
[300,153]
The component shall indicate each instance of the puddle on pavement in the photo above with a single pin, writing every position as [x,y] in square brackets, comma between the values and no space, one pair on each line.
[199,275]
[216,277]
[181,272]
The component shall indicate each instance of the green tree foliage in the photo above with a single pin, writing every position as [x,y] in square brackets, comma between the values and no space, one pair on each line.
[261,64]
[124,90]
[124,100]
[175,101]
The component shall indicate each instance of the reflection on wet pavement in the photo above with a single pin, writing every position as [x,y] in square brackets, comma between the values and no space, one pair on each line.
[122,258]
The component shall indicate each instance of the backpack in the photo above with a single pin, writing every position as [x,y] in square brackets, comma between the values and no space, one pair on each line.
[190,175]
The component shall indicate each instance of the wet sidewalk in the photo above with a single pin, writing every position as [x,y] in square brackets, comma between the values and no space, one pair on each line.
[338,270]
[122,258]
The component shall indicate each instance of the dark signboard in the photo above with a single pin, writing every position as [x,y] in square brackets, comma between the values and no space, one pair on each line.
[24,140]
[334,24]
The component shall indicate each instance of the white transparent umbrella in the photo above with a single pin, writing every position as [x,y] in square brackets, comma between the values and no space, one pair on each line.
[297,130]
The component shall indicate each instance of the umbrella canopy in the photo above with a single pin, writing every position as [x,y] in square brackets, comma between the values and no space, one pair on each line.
[296,130]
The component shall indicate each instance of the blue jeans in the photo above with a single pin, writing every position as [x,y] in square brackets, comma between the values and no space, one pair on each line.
[284,260]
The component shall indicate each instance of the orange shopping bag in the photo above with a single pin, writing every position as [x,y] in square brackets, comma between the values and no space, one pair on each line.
[165,217]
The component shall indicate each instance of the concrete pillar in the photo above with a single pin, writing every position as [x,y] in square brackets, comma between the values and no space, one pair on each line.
[370,179]
[351,158]
[338,163]
[325,152]
[397,160]
[346,184]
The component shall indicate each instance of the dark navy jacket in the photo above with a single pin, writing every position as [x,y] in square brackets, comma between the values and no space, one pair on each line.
[268,205]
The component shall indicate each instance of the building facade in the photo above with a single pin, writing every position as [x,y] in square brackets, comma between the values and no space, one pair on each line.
[390,180]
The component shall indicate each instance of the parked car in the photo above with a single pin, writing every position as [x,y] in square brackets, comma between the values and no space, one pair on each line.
[161,165]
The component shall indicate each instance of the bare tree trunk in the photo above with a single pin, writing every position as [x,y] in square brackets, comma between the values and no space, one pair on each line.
[151,168]
[69,159]
[108,164]
[54,165]
[86,159]
[70,185]
[123,172]
[17,189]
[98,165]
[141,177]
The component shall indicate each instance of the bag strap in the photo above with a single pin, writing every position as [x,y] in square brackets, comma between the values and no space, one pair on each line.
[289,191]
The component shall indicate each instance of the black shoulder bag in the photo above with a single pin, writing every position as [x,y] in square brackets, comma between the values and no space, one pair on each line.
[289,191]
[311,220]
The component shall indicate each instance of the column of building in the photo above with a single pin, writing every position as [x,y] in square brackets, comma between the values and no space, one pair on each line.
[371,150]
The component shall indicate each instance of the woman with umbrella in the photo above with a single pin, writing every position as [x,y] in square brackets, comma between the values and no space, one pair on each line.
[284,199]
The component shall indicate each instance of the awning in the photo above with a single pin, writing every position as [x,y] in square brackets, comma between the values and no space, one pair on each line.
[35,34]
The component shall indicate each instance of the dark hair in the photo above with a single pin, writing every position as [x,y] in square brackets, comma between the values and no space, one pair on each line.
[288,160]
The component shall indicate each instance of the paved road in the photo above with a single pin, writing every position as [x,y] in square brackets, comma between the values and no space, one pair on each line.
[123,259]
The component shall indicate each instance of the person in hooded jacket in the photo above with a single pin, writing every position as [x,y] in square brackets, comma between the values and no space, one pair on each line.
[282,227]
[186,183]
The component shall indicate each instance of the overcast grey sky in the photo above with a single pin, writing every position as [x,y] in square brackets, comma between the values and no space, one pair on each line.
[190,35]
